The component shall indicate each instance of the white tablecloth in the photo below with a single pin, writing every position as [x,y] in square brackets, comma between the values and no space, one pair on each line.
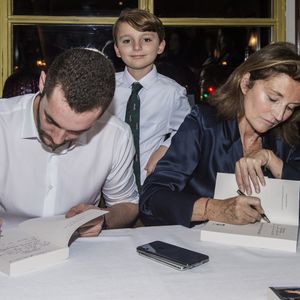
[108,267]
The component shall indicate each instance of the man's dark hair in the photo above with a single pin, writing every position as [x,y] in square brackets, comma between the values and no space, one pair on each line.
[86,77]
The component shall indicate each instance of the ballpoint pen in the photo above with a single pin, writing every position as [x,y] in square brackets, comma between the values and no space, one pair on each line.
[262,215]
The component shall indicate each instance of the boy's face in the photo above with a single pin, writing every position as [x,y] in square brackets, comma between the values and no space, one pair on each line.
[137,49]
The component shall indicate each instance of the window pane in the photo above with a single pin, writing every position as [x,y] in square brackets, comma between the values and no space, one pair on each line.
[198,58]
[213,8]
[35,47]
[72,7]
[203,57]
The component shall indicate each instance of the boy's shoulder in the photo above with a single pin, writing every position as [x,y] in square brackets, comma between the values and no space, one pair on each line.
[168,81]
[119,75]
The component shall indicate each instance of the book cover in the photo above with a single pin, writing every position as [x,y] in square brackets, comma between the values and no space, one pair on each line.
[40,242]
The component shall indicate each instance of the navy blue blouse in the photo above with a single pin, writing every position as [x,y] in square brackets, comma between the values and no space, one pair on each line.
[203,146]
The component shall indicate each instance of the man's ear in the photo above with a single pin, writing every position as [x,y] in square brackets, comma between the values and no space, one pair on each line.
[42,81]
[244,84]
[161,47]
[117,50]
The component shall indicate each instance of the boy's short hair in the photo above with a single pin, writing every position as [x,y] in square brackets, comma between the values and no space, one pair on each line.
[141,20]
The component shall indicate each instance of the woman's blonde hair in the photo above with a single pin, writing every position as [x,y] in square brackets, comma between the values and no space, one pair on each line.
[275,58]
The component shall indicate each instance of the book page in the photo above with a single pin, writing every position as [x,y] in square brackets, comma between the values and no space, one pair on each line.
[279,198]
[16,245]
[59,229]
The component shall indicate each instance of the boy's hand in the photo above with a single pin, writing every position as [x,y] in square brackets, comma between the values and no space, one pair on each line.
[154,158]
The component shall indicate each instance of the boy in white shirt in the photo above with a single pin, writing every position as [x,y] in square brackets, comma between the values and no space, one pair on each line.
[139,38]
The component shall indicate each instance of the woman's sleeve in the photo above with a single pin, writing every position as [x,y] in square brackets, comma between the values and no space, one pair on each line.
[291,167]
[163,200]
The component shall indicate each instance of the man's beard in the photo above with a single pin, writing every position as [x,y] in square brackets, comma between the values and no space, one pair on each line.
[43,135]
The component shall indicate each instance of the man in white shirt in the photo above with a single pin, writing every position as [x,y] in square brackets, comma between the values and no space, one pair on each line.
[60,151]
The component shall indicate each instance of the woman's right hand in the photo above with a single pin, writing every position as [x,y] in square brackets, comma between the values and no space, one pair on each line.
[236,210]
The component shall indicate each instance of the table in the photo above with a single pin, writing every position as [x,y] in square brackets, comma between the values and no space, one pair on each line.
[108,267]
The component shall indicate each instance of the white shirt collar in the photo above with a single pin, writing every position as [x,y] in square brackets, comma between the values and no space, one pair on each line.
[29,129]
[147,81]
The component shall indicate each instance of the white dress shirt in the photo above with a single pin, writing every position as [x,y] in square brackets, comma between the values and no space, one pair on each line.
[38,182]
[163,107]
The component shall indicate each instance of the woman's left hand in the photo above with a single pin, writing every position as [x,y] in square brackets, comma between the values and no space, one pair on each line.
[249,169]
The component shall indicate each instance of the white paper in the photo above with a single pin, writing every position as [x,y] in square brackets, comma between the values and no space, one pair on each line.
[279,198]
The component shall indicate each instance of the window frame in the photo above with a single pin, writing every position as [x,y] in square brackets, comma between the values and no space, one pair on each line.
[7,21]
[297,21]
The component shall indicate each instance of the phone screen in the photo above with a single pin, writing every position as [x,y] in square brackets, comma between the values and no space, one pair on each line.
[172,255]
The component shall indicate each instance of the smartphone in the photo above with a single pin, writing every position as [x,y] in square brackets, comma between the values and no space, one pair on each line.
[171,255]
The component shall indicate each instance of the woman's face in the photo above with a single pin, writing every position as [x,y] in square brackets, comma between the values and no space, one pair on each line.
[270,101]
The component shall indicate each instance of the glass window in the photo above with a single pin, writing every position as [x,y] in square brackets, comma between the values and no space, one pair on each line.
[72,7]
[198,56]
[213,8]
[201,58]
[35,46]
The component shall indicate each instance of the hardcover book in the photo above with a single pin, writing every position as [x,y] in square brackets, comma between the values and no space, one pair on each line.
[280,201]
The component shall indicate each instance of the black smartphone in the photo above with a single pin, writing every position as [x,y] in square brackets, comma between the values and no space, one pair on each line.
[171,255]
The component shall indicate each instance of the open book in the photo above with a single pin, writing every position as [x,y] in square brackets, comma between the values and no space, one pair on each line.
[40,242]
[280,201]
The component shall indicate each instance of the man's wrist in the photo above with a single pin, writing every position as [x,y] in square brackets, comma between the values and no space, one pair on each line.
[104,224]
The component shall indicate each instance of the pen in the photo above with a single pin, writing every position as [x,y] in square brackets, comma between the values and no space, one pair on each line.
[262,215]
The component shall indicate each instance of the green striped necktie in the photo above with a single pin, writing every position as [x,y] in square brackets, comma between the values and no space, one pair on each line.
[132,118]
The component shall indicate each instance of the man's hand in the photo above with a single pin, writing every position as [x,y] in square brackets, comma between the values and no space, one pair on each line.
[92,228]
[120,215]
[154,158]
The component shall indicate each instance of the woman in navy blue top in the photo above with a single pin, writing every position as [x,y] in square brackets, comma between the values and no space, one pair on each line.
[251,129]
